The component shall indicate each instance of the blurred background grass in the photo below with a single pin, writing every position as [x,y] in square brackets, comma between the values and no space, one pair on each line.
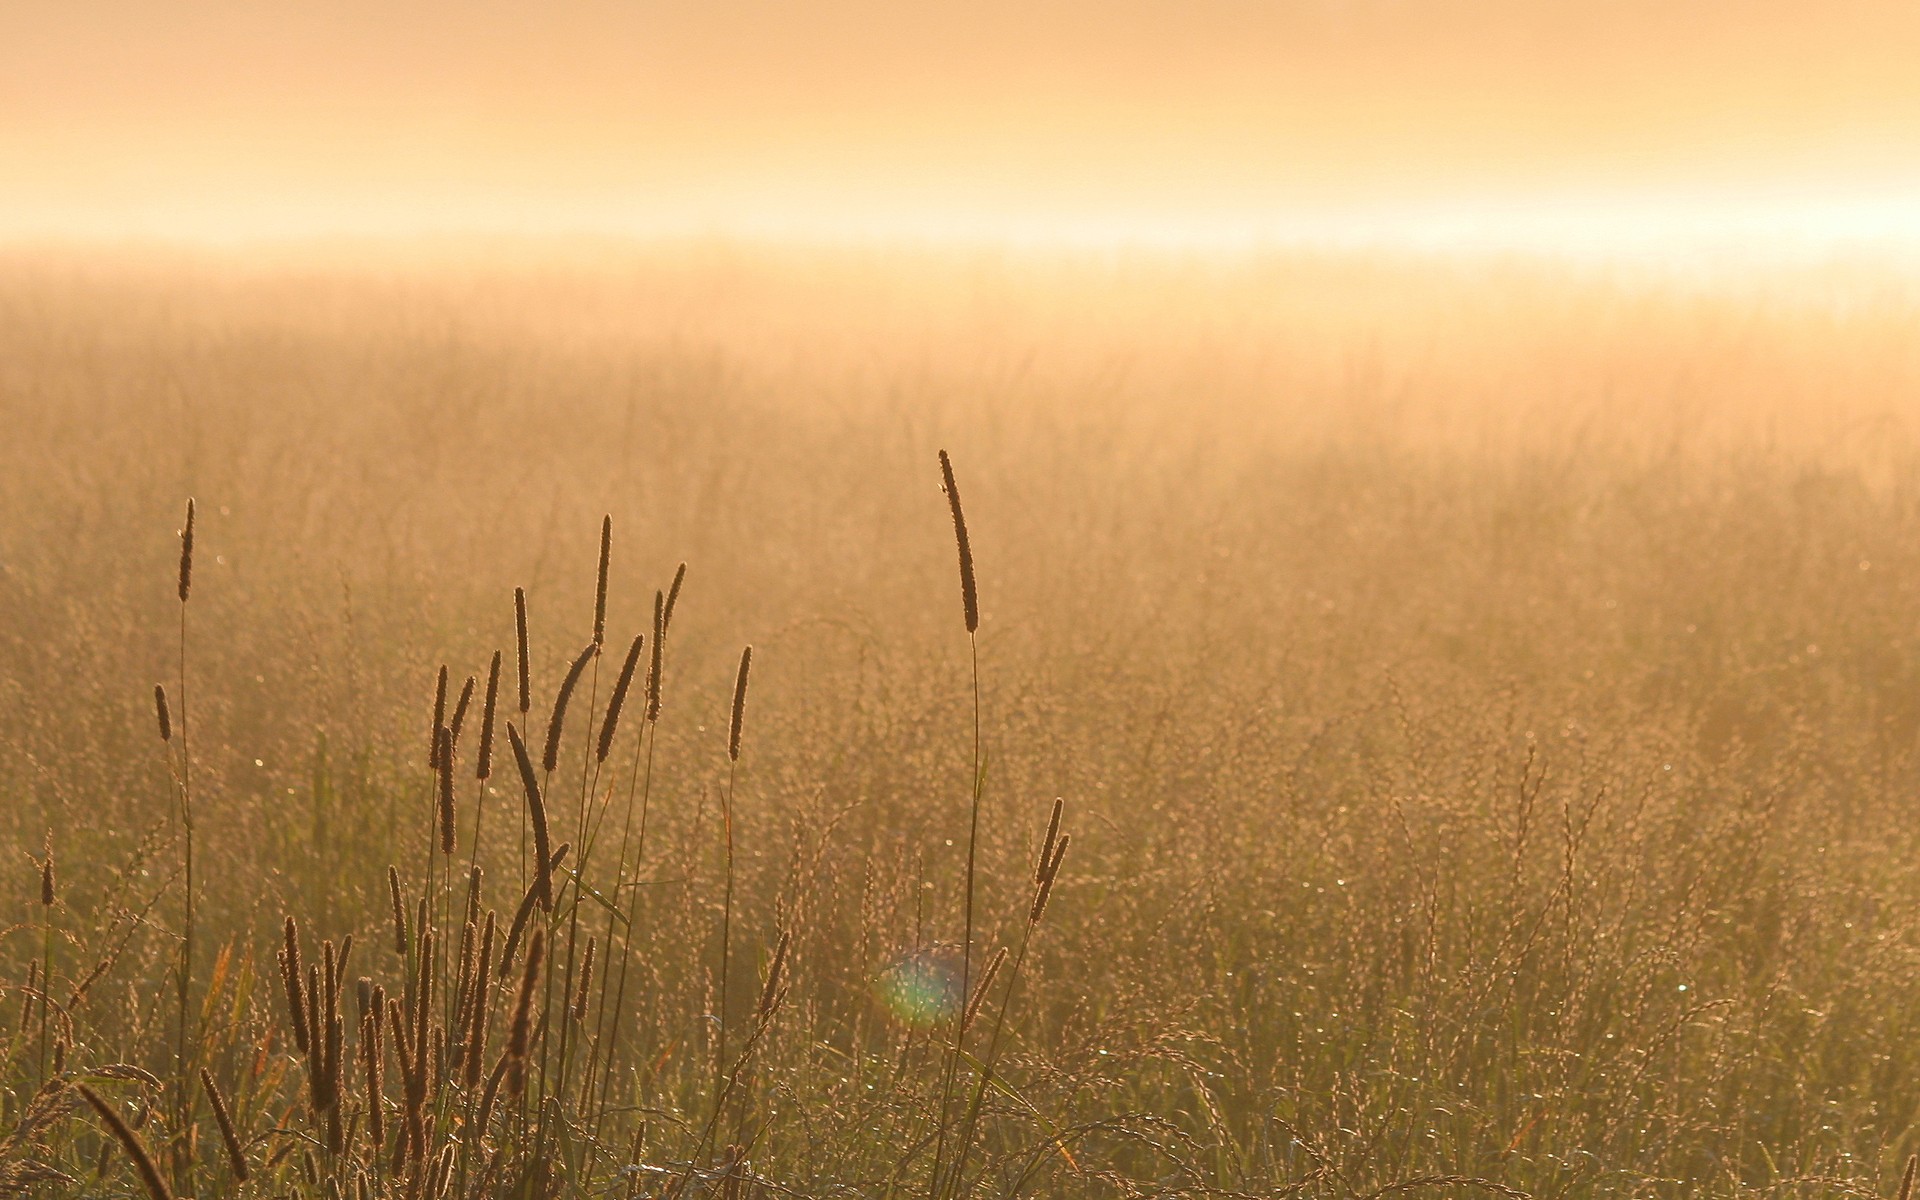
[1484,692]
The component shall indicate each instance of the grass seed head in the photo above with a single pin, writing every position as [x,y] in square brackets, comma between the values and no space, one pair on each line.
[186,554]
[523,649]
[739,705]
[969,597]
[483,761]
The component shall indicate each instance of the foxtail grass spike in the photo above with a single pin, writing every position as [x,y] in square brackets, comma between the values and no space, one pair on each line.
[537,817]
[619,698]
[653,667]
[229,1138]
[1045,887]
[292,981]
[446,792]
[460,713]
[136,1152]
[519,1033]
[483,760]
[186,554]
[775,986]
[527,903]
[401,942]
[524,650]
[600,582]
[556,724]
[1046,846]
[439,718]
[739,705]
[969,597]
[979,996]
[673,596]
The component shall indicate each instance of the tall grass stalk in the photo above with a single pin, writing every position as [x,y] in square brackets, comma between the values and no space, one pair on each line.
[183,1108]
[590,762]
[1053,850]
[970,612]
[611,1016]
[726,906]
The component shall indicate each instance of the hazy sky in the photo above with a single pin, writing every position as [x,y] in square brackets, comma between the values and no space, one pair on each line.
[1076,118]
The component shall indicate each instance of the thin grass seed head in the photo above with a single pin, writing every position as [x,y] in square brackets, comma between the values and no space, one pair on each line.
[439,717]
[229,1138]
[469,938]
[739,705]
[578,1010]
[26,1007]
[653,667]
[446,807]
[520,1032]
[489,1097]
[423,967]
[537,817]
[483,761]
[373,1056]
[980,989]
[1046,845]
[1045,886]
[400,939]
[619,698]
[186,554]
[776,985]
[162,712]
[291,981]
[460,712]
[673,597]
[525,911]
[476,1027]
[130,1143]
[476,875]
[523,649]
[600,581]
[556,724]
[969,596]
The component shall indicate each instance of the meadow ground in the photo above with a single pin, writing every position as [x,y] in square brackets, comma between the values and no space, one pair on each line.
[1485,699]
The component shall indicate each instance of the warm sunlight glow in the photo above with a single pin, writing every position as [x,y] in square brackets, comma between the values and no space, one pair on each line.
[1762,127]
[1332,590]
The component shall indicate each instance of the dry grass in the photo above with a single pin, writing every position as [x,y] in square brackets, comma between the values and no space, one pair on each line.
[1486,704]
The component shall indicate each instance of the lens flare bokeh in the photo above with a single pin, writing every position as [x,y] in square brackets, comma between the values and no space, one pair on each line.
[922,987]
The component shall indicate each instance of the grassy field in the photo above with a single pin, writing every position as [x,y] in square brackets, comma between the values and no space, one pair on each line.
[1484,697]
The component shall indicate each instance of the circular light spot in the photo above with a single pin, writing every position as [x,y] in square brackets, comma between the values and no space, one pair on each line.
[922,987]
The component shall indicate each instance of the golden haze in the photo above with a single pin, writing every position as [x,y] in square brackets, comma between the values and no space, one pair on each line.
[1128,120]
[747,601]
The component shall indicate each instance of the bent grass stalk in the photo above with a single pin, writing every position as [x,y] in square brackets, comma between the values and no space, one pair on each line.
[130,1143]
[1053,850]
